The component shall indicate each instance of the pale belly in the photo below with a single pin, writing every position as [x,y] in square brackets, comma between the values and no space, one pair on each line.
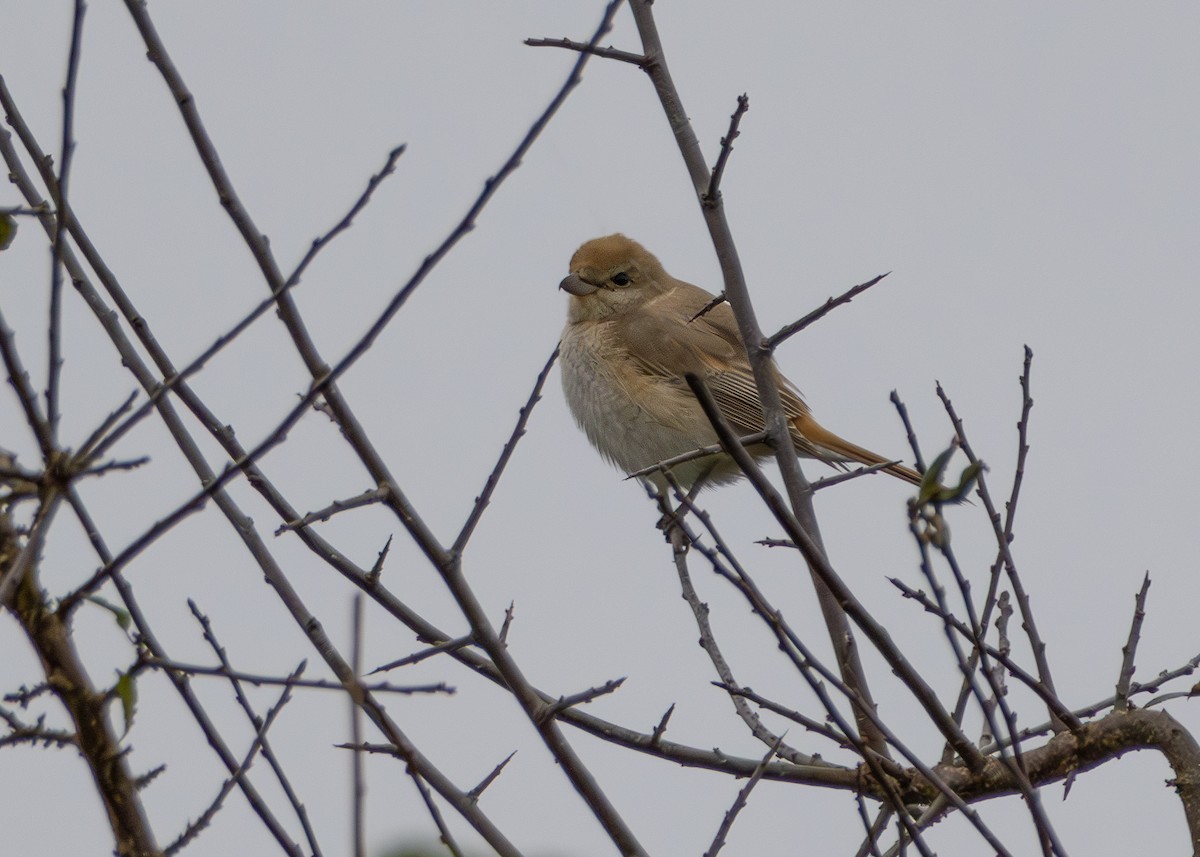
[611,408]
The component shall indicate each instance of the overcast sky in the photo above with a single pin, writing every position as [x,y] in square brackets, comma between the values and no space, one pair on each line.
[1026,171]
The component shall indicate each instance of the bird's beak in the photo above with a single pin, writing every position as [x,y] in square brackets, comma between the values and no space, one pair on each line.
[572,284]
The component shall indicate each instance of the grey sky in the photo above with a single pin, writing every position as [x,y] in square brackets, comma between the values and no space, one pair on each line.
[1027,172]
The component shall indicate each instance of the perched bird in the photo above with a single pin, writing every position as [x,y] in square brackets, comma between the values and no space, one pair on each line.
[633,331]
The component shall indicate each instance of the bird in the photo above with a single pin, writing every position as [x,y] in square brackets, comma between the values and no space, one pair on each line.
[633,333]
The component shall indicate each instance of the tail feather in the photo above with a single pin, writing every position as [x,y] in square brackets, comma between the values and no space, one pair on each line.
[828,443]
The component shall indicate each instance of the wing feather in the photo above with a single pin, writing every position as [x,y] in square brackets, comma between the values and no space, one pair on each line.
[708,346]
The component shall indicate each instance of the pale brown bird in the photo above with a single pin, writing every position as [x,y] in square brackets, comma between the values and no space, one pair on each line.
[632,334]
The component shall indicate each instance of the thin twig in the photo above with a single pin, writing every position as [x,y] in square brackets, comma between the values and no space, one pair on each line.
[490,778]
[681,538]
[583,696]
[110,466]
[708,307]
[661,728]
[86,449]
[59,191]
[1002,540]
[874,829]
[1060,712]
[437,649]
[990,598]
[810,667]
[509,614]
[366,498]
[175,379]
[1016,765]
[820,312]
[436,814]
[850,604]
[585,48]
[902,410]
[180,681]
[718,171]
[791,714]
[268,752]
[762,367]
[739,803]
[31,551]
[18,376]
[306,683]
[206,817]
[371,578]
[830,481]
[358,786]
[1129,650]
[20,732]
[712,449]
[485,497]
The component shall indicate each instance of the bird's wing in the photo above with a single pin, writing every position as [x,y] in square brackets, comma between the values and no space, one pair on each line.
[709,346]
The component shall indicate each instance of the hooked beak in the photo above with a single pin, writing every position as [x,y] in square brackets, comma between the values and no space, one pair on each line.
[572,284]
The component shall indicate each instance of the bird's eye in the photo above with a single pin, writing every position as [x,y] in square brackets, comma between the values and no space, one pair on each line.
[620,279]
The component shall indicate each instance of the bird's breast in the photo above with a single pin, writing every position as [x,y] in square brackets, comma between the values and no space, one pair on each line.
[634,418]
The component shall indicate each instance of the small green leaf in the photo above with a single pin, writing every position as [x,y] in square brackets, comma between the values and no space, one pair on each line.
[127,693]
[966,482]
[8,230]
[121,614]
[933,491]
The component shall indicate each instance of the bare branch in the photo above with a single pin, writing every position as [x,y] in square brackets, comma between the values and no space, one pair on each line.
[268,753]
[708,307]
[371,578]
[830,481]
[882,768]
[681,538]
[739,803]
[438,649]
[902,410]
[850,604]
[791,714]
[175,379]
[436,814]
[258,680]
[667,463]
[874,829]
[18,376]
[583,696]
[481,502]
[585,48]
[661,728]
[758,355]
[820,312]
[366,498]
[193,830]
[59,190]
[358,787]
[506,625]
[718,171]
[1129,650]
[1059,711]
[491,777]
[1002,540]
[20,732]
[21,561]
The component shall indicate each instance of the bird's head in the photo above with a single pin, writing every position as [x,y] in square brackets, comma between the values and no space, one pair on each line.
[611,275]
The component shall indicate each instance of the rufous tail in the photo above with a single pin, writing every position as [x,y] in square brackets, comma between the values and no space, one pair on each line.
[827,441]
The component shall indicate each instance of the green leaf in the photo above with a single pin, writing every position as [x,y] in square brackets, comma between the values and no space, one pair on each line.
[8,230]
[119,613]
[127,693]
[933,491]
